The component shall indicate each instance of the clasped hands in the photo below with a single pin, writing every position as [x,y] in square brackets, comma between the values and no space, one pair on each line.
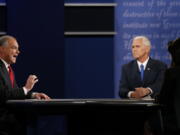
[31,81]
[140,92]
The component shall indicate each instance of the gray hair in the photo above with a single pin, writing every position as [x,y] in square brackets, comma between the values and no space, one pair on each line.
[146,41]
[4,39]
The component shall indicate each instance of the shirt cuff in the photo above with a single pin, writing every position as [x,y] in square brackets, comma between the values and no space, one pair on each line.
[129,94]
[151,92]
[33,95]
[25,90]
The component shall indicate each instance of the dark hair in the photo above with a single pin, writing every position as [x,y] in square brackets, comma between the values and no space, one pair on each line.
[174,49]
[170,46]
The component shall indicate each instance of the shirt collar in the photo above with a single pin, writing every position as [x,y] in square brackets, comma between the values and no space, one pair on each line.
[5,63]
[144,63]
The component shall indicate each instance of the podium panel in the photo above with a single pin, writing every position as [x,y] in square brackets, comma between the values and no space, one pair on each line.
[92,116]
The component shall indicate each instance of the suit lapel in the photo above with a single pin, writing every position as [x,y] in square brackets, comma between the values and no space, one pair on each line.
[136,71]
[148,70]
[5,75]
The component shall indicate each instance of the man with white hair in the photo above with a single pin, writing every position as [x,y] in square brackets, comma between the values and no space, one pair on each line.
[143,76]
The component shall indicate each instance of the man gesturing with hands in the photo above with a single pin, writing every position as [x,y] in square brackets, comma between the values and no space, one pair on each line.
[9,50]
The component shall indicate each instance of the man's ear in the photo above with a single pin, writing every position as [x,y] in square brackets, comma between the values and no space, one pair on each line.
[148,49]
[0,49]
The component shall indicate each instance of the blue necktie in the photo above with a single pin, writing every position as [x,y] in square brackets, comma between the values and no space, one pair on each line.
[142,71]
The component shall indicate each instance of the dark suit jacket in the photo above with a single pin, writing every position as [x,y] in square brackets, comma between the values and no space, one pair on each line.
[170,97]
[8,120]
[6,90]
[130,77]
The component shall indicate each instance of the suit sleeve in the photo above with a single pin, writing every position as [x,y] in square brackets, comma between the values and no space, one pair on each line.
[8,93]
[123,87]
